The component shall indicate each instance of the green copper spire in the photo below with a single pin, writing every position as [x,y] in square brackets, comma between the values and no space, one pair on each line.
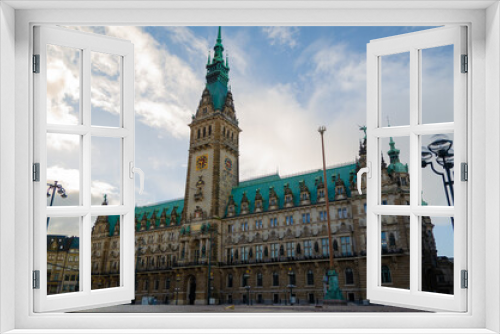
[395,165]
[217,75]
[218,48]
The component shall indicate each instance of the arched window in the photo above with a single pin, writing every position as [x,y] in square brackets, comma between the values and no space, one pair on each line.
[204,131]
[335,245]
[209,130]
[386,274]
[199,133]
[259,279]
[310,277]
[392,240]
[349,276]
[230,280]
[276,279]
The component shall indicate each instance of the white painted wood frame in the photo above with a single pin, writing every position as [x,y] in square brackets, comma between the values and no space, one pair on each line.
[414,43]
[85,43]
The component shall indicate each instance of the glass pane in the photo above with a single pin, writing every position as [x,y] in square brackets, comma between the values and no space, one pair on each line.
[395,180]
[437,187]
[395,89]
[105,252]
[63,255]
[63,169]
[105,89]
[437,254]
[437,84]
[106,171]
[395,251]
[63,85]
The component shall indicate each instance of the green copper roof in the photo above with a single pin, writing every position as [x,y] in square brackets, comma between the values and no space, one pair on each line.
[249,188]
[218,75]
[395,166]
[148,210]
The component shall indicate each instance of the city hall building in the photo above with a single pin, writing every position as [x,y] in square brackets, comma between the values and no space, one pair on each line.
[262,240]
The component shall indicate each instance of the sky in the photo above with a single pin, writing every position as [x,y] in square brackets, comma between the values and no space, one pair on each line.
[286,81]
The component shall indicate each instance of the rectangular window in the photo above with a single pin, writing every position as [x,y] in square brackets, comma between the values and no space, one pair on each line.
[258,224]
[306,218]
[325,250]
[339,213]
[258,252]
[244,253]
[307,248]
[273,222]
[290,249]
[229,255]
[289,220]
[384,242]
[345,244]
[275,251]
[344,213]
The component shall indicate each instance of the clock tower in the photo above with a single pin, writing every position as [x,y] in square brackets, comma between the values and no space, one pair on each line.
[213,150]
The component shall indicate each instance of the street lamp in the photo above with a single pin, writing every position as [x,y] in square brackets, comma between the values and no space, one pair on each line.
[177,280]
[60,190]
[333,292]
[291,284]
[440,150]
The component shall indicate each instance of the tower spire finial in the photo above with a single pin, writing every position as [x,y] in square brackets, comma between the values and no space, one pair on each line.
[219,39]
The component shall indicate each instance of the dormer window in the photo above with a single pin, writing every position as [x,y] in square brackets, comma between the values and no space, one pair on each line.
[304,196]
[230,210]
[205,111]
[244,207]
[258,205]
[288,199]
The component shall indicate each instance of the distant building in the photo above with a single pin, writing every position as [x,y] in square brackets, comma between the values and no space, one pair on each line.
[63,264]
[262,240]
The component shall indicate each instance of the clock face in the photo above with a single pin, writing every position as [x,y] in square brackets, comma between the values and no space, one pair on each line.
[202,162]
[228,164]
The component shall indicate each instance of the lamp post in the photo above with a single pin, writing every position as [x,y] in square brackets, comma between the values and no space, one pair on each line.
[333,292]
[440,151]
[60,190]
[177,280]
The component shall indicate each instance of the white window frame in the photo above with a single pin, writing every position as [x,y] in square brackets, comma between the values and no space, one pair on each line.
[412,43]
[483,19]
[87,43]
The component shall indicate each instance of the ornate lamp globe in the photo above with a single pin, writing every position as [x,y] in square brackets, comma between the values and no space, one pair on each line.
[440,144]
[426,156]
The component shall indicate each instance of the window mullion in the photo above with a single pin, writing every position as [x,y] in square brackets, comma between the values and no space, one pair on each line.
[86,181]
[415,97]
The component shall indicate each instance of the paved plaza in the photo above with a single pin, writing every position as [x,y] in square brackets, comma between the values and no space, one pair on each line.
[245,309]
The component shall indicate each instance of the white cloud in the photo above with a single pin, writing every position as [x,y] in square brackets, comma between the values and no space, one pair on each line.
[68,178]
[101,188]
[282,35]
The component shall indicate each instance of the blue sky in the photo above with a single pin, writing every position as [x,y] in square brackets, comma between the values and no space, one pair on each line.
[286,81]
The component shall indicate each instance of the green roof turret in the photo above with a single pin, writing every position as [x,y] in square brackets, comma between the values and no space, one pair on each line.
[218,75]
